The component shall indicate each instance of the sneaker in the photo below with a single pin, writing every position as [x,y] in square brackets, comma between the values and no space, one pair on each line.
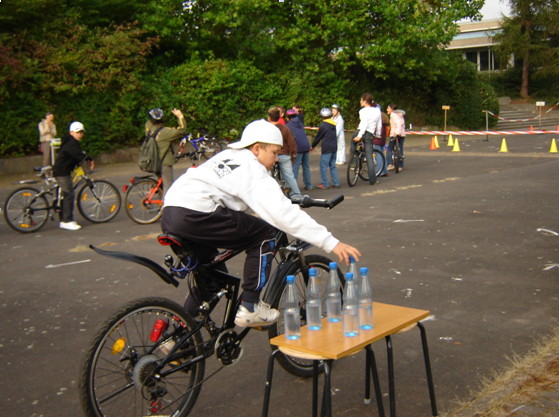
[322,187]
[263,316]
[336,186]
[384,175]
[390,167]
[401,169]
[70,226]
[374,183]
[309,188]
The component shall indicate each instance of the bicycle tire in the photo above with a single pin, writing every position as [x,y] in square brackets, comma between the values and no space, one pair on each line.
[363,169]
[396,157]
[296,366]
[99,204]
[24,212]
[135,205]
[116,376]
[213,147]
[353,169]
[379,167]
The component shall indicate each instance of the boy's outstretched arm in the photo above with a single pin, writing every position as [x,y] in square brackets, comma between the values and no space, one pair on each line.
[344,251]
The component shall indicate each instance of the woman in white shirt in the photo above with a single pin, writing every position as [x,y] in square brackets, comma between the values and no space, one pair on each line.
[370,125]
[340,133]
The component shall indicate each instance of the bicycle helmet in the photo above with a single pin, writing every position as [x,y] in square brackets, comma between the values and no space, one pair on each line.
[156,115]
[336,106]
[325,112]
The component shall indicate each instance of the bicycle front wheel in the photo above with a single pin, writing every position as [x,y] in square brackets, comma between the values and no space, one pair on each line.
[121,373]
[100,202]
[25,211]
[212,147]
[138,204]
[396,157]
[379,156]
[353,168]
[297,366]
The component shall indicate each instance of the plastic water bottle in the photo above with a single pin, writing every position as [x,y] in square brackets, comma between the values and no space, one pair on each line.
[333,295]
[314,302]
[291,312]
[365,301]
[351,317]
[356,277]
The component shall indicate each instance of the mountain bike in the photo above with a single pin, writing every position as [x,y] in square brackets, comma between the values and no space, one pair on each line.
[143,195]
[397,156]
[357,166]
[149,357]
[27,209]
[275,172]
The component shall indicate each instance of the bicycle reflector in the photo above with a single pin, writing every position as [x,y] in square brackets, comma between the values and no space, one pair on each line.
[158,328]
[118,346]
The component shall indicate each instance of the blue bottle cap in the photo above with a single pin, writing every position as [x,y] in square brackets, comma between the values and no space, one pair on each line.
[312,272]
[333,265]
[349,276]
[290,278]
[364,270]
[351,260]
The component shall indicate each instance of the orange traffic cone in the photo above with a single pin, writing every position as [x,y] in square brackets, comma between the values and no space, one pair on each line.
[437,142]
[433,145]
[504,146]
[553,148]
[456,147]
[531,128]
[557,129]
[450,142]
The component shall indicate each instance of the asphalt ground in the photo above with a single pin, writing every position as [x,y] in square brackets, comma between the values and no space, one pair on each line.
[466,235]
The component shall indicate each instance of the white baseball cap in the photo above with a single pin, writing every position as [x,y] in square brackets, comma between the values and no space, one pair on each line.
[76,127]
[259,131]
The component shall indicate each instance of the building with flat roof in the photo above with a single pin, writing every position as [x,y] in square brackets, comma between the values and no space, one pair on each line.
[475,41]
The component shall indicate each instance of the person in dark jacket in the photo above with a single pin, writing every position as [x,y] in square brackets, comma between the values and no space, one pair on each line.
[327,134]
[303,147]
[69,156]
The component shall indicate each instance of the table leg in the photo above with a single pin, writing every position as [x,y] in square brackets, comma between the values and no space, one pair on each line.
[428,369]
[314,388]
[269,376]
[327,393]
[371,366]
[391,386]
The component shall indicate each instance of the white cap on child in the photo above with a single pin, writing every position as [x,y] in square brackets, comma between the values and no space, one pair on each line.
[259,131]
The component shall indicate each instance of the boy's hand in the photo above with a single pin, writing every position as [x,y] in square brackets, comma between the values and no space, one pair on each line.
[178,113]
[344,251]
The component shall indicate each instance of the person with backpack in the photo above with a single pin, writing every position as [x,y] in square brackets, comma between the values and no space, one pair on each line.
[164,136]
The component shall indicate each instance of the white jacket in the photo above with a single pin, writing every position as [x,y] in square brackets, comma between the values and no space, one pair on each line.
[397,123]
[370,120]
[236,180]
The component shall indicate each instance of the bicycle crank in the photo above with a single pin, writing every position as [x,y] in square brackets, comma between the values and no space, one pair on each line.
[228,349]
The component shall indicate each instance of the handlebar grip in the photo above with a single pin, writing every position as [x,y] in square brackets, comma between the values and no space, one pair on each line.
[335,201]
[306,201]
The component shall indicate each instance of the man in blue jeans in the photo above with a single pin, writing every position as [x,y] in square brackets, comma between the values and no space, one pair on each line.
[287,154]
[327,134]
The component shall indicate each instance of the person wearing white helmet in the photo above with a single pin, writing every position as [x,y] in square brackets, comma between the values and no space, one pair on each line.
[340,133]
[69,156]
[210,206]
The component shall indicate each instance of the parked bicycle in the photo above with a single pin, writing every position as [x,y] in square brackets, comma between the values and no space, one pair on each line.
[357,166]
[149,357]
[27,209]
[143,196]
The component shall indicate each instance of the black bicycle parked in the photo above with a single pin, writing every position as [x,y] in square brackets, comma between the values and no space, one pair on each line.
[149,357]
[357,166]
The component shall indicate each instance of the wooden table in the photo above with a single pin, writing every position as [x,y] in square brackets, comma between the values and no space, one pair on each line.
[329,344]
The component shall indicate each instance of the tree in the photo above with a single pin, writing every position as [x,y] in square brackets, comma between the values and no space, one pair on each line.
[531,34]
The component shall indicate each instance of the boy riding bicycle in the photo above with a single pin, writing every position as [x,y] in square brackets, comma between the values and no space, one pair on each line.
[208,206]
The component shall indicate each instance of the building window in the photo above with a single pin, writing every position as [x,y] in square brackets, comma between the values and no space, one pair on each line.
[484,61]
[472,57]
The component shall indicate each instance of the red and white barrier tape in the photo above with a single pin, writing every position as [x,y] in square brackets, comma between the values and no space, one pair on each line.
[468,133]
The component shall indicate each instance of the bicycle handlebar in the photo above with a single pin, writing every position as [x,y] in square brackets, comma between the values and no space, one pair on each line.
[306,201]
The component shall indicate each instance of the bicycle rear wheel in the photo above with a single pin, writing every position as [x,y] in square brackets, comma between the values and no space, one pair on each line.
[297,366]
[136,203]
[379,155]
[212,147]
[353,168]
[25,211]
[100,202]
[120,375]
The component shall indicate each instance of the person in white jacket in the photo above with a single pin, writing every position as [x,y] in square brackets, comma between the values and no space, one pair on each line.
[340,133]
[209,206]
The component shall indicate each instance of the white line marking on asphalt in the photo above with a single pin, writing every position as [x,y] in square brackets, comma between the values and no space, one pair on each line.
[550,266]
[407,221]
[547,232]
[69,263]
